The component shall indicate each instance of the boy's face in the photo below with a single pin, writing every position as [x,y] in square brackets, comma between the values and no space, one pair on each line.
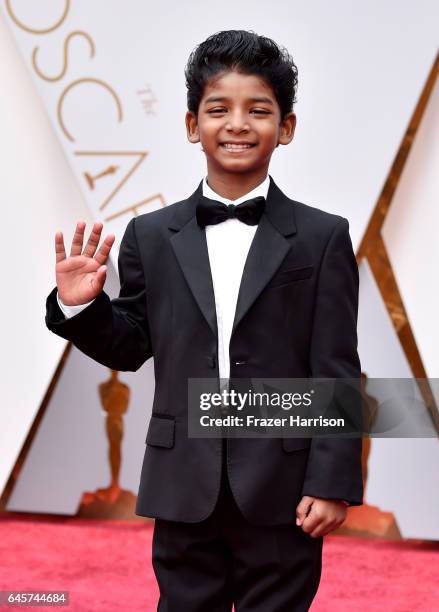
[239,109]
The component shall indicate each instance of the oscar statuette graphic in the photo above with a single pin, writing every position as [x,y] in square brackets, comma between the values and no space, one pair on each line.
[367,520]
[111,501]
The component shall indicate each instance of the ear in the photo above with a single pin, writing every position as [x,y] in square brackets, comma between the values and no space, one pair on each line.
[287,127]
[192,127]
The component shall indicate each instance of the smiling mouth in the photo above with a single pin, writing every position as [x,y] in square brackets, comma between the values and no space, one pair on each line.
[236,148]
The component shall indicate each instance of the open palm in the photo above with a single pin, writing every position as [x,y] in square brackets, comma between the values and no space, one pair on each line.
[81,276]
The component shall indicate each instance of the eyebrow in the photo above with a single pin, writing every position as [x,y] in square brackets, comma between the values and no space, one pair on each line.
[224,98]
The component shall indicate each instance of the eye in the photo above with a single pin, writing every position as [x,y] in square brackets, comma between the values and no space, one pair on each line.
[256,111]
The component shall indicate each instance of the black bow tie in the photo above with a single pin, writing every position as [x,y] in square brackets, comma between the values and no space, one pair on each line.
[211,212]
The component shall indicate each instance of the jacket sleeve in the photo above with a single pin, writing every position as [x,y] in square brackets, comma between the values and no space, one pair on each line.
[114,332]
[334,464]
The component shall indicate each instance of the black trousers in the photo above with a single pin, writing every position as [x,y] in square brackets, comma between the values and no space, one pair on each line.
[224,561]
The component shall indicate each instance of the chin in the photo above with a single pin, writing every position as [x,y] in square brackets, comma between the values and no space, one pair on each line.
[236,168]
[235,163]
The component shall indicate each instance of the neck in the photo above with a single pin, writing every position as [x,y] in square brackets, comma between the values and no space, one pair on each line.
[233,186]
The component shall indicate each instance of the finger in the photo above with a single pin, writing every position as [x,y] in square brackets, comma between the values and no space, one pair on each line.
[105,248]
[317,533]
[78,238]
[311,522]
[312,526]
[93,240]
[304,505]
[99,279]
[59,247]
[303,509]
[323,529]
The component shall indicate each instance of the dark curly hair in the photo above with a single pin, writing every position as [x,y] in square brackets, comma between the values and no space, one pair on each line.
[245,52]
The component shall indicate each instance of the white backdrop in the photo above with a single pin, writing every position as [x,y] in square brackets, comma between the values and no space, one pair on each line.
[110,76]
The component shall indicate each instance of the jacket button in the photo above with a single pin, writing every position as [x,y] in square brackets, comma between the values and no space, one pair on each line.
[211,361]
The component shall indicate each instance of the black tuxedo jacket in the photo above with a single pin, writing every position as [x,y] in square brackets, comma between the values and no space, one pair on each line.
[296,316]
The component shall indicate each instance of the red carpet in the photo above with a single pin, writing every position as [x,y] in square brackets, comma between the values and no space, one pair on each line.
[105,565]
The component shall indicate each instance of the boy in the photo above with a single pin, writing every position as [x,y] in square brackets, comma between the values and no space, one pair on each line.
[235,281]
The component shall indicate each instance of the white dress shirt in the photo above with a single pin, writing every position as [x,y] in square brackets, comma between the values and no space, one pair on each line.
[228,244]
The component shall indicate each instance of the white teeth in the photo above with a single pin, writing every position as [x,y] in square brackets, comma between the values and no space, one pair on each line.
[236,146]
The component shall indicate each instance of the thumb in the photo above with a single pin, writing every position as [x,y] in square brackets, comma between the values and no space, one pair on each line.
[303,508]
[99,279]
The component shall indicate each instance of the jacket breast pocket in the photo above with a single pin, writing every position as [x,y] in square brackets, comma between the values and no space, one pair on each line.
[294,444]
[161,431]
[288,276]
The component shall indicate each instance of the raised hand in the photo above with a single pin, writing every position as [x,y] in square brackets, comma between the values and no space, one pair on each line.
[81,276]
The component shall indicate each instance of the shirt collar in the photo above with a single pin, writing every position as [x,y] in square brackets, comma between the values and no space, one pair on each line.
[259,190]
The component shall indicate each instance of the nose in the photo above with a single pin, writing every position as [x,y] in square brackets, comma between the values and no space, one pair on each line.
[237,122]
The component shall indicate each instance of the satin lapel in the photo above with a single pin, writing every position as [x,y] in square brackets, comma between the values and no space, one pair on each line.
[268,249]
[190,247]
